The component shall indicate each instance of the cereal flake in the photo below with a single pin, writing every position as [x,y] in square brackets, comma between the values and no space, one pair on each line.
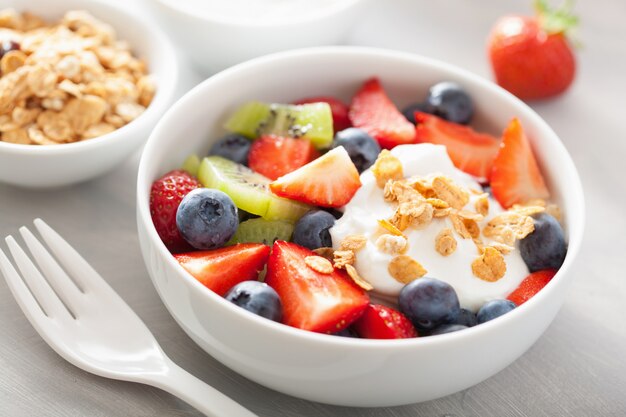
[319,264]
[482,204]
[387,225]
[392,244]
[489,266]
[509,226]
[353,242]
[358,280]
[405,269]
[387,167]
[445,243]
[448,191]
[341,258]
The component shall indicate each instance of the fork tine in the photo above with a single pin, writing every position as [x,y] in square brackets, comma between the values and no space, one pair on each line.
[20,291]
[39,287]
[57,278]
[75,265]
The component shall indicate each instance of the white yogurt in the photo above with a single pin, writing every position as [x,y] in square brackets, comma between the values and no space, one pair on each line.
[368,206]
[265,11]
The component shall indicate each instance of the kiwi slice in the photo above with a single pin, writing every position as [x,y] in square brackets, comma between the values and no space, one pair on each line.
[313,121]
[192,164]
[264,231]
[248,189]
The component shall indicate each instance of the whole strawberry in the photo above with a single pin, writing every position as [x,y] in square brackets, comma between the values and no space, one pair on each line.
[531,56]
[165,197]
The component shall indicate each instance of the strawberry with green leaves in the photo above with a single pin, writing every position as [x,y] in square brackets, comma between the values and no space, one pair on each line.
[531,56]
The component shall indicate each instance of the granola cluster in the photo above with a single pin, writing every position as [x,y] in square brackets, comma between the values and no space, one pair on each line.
[419,200]
[68,81]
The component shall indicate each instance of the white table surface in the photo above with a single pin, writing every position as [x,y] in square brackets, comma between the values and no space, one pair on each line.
[577,368]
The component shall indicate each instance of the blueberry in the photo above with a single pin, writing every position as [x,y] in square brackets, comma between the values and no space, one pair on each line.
[409,111]
[347,332]
[207,218]
[234,147]
[494,308]
[8,46]
[545,247]
[447,328]
[311,231]
[466,318]
[336,213]
[258,298]
[362,148]
[429,302]
[450,101]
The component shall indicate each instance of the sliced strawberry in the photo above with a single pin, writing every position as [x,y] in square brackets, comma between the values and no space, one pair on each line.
[329,181]
[380,322]
[373,111]
[515,177]
[469,150]
[165,196]
[531,285]
[275,156]
[324,303]
[338,108]
[220,269]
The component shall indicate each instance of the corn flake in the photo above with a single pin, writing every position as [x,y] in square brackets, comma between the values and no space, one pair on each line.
[387,167]
[319,264]
[405,269]
[489,266]
[445,243]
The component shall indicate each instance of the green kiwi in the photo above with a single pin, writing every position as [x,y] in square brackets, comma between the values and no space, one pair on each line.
[264,231]
[313,121]
[249,190]
[192,164]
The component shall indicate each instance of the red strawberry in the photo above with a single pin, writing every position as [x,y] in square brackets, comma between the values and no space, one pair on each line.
[380,322]
[531,56]
[469,150]
[165,196]
[329,181]
[372,111]
[515,177]
[220,269]
[531,285]
[337,107]
[324,303]
[274,156]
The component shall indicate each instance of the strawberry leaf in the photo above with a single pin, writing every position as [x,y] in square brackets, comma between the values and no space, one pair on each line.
[556,20]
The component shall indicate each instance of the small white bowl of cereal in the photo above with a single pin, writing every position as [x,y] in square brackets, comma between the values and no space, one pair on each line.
[82,83]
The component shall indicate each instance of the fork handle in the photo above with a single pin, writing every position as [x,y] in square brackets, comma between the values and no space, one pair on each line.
[197,393]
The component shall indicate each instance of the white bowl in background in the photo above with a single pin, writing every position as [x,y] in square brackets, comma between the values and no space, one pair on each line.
[56,165]
[214,42]
[331,369]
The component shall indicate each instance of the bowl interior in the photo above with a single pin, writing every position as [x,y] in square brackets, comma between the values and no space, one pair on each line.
[195,122]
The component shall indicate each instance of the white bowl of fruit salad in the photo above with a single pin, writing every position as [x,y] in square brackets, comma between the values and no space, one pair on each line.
[294,250]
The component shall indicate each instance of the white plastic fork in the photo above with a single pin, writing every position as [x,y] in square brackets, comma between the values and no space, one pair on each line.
[90,326]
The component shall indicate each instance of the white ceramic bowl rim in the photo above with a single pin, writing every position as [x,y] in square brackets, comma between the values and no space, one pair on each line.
[319,14]
[143,187]
[163,96]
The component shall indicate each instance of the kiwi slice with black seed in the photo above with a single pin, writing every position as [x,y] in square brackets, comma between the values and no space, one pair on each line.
[313,121]
[248,189]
